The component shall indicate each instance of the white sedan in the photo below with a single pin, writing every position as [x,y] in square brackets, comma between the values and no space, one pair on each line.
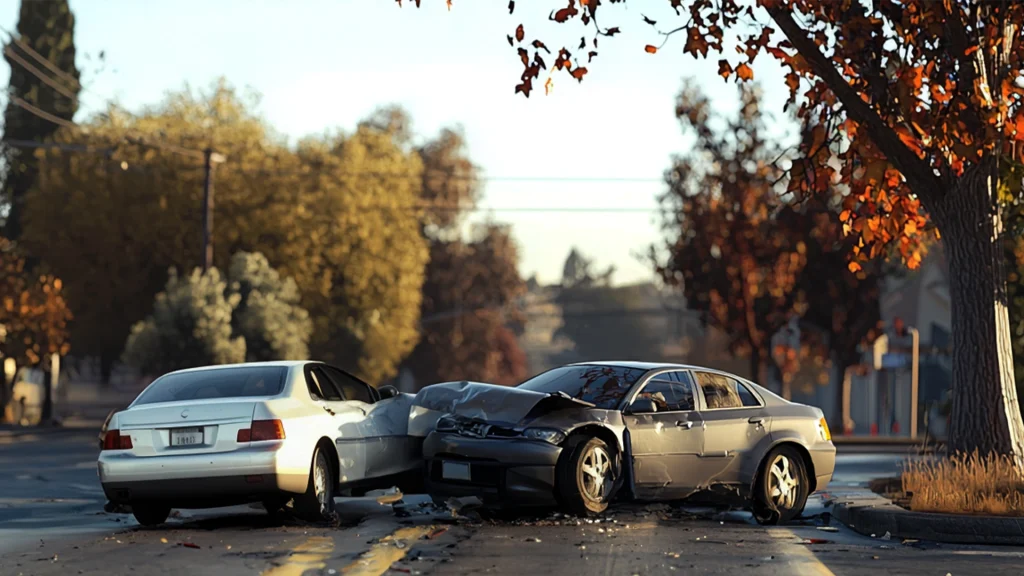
[263,432]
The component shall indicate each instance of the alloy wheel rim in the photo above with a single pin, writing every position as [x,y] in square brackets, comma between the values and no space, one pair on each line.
[596,468]
[783,485]
[320,485]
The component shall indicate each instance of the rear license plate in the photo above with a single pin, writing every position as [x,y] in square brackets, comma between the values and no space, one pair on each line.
[455,471]
[186,436]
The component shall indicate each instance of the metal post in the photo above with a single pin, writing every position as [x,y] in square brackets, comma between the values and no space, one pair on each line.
[916,337]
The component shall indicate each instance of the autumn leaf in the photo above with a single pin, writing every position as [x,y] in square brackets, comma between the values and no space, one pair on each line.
[510,40]
[854,267]
[612,31]
[724,69]
[650,49]
[578,73]
[520,33]
[511,6]
[744,72]
[540,46]
[648,20]
[590,55]
[449,2]
[695,43]
[548,86]
[845,215]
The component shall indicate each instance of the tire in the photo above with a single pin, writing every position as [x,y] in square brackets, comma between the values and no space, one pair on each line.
[149,514]
[317,503]
[586,475]
[773,503]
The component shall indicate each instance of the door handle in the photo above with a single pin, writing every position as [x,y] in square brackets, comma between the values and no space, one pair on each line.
[685,425]
[755,420]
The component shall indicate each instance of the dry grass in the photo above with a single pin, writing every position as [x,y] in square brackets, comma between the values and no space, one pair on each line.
[965,485]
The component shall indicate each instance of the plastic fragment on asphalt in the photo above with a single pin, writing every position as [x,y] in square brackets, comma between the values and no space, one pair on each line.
[532,539]
[163,540]
[816,541]
[828,529]
[436,533]
[190,545]
[887,536]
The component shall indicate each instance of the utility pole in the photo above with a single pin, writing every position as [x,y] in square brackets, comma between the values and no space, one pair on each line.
[210,158]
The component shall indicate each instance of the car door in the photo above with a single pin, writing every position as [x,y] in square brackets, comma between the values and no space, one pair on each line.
[666,444]
[384,427]
[346,421]
[735,420]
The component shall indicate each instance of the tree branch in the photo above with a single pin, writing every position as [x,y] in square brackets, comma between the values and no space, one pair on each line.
[917,172]
[959,43]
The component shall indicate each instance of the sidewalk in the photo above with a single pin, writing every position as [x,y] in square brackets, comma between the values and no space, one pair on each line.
[85,406]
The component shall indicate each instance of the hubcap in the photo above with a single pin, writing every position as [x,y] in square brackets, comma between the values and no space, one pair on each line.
[597,478]
[783,485]
[320,485]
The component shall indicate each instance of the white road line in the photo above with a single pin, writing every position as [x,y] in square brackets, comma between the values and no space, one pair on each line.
[798,556]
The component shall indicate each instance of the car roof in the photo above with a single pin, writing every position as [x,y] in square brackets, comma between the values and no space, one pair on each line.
[278,363]
[637,365]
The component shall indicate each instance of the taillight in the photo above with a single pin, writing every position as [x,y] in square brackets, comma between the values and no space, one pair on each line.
[262,430]
[113,440]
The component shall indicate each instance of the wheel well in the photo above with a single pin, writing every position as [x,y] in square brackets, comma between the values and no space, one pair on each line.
[804,455]
[327,446]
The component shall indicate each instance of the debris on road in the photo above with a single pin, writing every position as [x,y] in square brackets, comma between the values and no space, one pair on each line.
[386,497]
[532,539]
[190,545]
[828,528]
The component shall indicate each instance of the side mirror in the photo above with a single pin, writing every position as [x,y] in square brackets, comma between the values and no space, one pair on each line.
[388,391]
[642,406]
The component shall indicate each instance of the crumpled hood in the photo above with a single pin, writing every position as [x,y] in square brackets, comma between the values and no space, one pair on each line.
[501,405]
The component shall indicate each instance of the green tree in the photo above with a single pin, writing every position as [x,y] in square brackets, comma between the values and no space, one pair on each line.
[45,32]
[190,326]
[269,316]
[339,214]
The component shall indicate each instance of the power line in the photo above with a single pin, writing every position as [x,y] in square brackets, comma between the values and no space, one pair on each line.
[20,103]
[75,84]
[10,53]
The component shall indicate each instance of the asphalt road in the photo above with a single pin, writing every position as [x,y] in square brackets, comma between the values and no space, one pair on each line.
[51,522]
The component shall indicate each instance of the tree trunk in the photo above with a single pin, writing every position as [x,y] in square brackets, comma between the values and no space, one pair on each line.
[106,368]
[985,414]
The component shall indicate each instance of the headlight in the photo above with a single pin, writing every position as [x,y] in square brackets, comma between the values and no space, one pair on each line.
[445,424]
[546,434]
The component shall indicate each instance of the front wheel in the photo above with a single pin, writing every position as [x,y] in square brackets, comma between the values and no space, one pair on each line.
[317,503]
[782,487]
[150,514]
[586,477]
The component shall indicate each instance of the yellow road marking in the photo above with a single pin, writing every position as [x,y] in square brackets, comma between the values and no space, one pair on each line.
[311,554]
[805,562]
[390,549]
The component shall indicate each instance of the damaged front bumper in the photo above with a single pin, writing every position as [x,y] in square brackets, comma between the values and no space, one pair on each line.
[500,470]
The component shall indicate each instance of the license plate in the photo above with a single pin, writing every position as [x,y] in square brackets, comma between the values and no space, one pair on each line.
[455,471]
[186,436]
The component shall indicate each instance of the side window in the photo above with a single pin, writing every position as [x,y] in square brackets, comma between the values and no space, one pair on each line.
[313,384]
[330,392]
[723,392]
[351,388]
[667,395]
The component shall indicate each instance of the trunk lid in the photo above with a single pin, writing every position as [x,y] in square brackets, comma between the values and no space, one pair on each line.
[188,427]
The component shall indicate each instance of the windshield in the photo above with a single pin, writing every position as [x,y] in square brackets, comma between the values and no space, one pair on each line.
[602,386]
[216,383]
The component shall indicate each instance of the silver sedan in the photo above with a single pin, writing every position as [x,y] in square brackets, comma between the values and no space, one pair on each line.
[581,435]
[260,432]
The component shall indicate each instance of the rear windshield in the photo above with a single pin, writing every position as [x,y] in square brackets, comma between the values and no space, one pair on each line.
[603,386]
[216,383]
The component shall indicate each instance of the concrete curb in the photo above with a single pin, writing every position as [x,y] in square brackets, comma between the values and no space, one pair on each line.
[874,516]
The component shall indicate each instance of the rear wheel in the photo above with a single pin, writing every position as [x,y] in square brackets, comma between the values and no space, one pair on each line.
[586,477]
[317,503]
[782,487]
[150,514]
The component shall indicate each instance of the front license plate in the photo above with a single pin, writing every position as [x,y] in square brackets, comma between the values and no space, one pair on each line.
[455,471]
[186,436]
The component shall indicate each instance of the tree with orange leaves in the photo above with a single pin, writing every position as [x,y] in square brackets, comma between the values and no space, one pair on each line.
[920,101]
[33,313]
[722,247]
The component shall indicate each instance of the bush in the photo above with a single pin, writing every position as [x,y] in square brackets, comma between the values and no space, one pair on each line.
[190,326]
[268,316]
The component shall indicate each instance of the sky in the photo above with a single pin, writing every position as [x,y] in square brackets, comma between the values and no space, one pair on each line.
[581,167]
